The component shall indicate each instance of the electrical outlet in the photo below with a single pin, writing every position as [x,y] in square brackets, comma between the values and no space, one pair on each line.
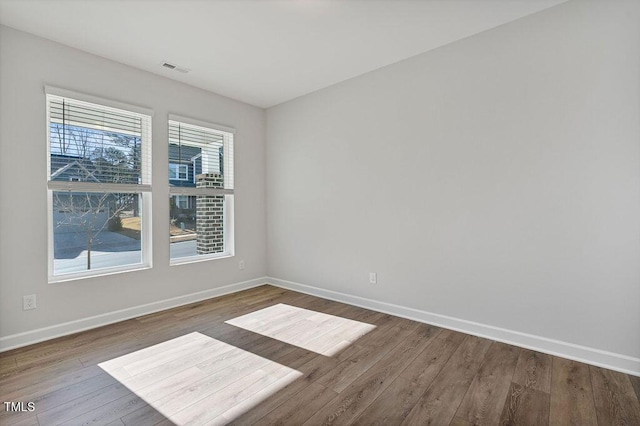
[28,302]
[241,264]
[373,278]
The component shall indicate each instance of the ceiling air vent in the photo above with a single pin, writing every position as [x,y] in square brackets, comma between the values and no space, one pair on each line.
[175,67]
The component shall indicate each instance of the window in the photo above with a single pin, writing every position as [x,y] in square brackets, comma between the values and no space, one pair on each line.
[182,201]
[99,186]
[201,208]
[178,171]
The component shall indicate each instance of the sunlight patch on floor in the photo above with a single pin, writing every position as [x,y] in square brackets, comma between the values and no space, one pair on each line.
[315,331]
[196,379]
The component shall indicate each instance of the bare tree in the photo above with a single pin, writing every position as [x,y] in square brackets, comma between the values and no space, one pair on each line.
[75,141]
[93,156]
[89,213]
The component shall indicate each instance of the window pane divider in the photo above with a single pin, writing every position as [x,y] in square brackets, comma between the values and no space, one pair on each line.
[121,188]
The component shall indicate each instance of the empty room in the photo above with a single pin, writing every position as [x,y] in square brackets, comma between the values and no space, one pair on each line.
[319,212]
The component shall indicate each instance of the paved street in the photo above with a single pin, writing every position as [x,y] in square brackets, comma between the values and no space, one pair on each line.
[111,250]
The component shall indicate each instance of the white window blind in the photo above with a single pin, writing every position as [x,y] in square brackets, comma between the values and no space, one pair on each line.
[97,147]
[206,150]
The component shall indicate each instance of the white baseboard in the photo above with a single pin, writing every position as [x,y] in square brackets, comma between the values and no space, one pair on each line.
[597,357]
[46,333]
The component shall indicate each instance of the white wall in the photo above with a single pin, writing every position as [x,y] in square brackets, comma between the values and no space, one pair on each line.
[495,180]
[27,63]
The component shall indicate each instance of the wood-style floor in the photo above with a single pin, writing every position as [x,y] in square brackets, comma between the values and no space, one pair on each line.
[272,356]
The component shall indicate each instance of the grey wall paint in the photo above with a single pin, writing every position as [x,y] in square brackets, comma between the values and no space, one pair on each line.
[27,63]
[496,179]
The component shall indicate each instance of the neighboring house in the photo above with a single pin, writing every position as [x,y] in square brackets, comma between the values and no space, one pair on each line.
[72,168]
[185,164]
[75,209]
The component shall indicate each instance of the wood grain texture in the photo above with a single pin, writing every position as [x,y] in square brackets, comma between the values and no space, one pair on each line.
[484,401]
[572,402]
[297,409]
[457,421]
[616,401]
[350,403]
[635,382]
[439,403]
[352,367]
[528,397]
[533,370]
[296,359]
[525,406]
[395,403]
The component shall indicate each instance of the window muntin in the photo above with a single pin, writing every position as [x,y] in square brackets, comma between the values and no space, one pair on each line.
[178,171]
[201,208]
[99,175]
[183,201]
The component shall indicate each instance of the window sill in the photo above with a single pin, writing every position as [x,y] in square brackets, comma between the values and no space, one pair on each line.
[96,274]
[201,258]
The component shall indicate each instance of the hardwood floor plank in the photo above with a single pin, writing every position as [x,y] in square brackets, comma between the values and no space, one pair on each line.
[34,373]
[352,367]
[144,416]
[533,370]
[175,383]
[34,389]
[350,403]
[266,400]
[125,347]
[525,406]
[429,362]
[63,413]
[297,409]
[615,400]
[59,397]
[8,362]
[215,404]
[635,382]
[393,405]
[484,401]
[16,417]
[571,394]
[151,351]
[528,398]
[210,385]
[219,353]
[28,419]
[439,404]
[108,412]
[457,421]
[77,344]
[397,401]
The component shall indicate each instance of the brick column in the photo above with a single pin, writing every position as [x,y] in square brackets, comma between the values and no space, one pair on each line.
[210,215]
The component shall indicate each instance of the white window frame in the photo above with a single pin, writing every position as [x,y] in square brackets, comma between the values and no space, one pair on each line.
[184,198]
[143,188]
[177,168]
[229,194]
